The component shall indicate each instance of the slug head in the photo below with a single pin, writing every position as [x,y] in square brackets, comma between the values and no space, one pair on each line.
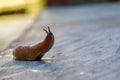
[48,32]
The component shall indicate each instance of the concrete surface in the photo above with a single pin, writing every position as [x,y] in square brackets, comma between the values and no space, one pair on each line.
[87,45]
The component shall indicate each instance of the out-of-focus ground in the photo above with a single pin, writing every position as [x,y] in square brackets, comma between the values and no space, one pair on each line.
[16,16]
[12,27]
[87,45]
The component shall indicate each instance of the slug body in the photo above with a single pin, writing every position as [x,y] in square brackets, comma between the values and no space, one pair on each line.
[37,51]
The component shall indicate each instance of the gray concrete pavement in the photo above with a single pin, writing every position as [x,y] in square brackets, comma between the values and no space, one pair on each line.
[87,45]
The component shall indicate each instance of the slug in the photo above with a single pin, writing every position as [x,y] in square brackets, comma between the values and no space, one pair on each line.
[37,51]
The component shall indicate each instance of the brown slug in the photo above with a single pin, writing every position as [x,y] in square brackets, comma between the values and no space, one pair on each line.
[37,51]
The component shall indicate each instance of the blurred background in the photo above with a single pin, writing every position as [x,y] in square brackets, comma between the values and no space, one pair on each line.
[76,2]
[18,15]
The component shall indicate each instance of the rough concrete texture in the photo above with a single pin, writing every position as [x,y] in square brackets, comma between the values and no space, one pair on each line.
[87,45]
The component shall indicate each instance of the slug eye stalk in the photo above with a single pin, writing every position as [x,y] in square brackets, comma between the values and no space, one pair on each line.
[45,30]
[49,31]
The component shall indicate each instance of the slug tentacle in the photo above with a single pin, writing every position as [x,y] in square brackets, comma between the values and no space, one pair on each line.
[45,30]
[37,51]
[49,29]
